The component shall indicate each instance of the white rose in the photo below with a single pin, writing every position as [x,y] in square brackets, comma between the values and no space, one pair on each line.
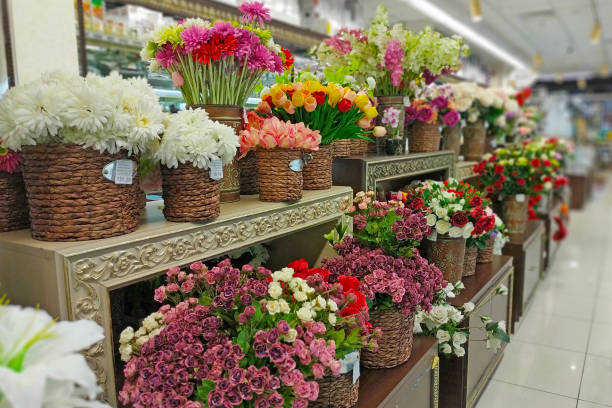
[126,335]
[498,221]
[439,315]
[467,230]
[442,336]
[487,156]
[446,348]
[155,332]
[502,325]
[294,283]
[273,307]
[331,318]
[331,305]
[454,314]
[441,212]
[126,352]
[459,285]
[459,338]
[417,329]
[449,195]
[459,351]
[275,290]
[443,226]
[157,316]
[449,290]
[290,336]
[548,185]
[283,275]
[502,290]
[140,341]
[431,219]
[468,307]
[371,83]
[488,211]
[304,314]
[283,306]
[462,202]
[493,342]
[140,332]
[455,232]
[150,324]
[300,296]
[321,303]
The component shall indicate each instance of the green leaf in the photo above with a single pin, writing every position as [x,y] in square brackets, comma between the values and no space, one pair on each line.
[502,335]
[205,299]
[338,336]
[243,340]
[203,390]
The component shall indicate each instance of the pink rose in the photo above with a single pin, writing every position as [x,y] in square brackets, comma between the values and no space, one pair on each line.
[173,271]
[318,370]
[172,287]
[364,123]
[187,286]
[336,365]
[160,294]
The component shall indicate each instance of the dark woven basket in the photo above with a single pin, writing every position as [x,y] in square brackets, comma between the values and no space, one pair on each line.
[474,136]
[395,344]
[341,148]
[277,182]
[514,215]
[317,172]
[359,147]
[469,260]
[70,200]
[337,392]
[424,137]
[13,202]
[189,194]
[451,139]
[249,183]
[447,254]
[486,255]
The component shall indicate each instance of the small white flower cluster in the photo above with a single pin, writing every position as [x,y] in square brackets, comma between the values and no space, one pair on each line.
[307,305]
[130,341]
[492,341]
[107,114]
[443,205]
[192,137]
[501,238]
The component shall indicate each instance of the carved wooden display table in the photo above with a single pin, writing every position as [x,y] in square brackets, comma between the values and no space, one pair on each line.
[528,252]
[413,384]
[73,280]
[463,379]
[464,170]
[364,173]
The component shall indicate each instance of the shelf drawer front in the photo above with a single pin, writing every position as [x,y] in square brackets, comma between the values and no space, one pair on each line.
[533,266]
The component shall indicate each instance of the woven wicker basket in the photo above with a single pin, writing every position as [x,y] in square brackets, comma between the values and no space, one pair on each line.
[451,137]
[249,183]
[13,202]
[424,137]
[69,198]
[359,147]
[469,260]
[317,172]
[277,182]
[337,392]
[474,141]
[341,148]
[447,254]
[486,255]
[514,214]
[395,344]
[189,194]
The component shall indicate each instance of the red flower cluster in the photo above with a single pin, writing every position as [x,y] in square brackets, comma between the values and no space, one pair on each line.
[287,59]
[218,47]
[522,95]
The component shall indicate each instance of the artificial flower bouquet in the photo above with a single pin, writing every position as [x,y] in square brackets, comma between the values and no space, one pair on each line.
[67,129]
[14,206]
[192,153]
[217,62]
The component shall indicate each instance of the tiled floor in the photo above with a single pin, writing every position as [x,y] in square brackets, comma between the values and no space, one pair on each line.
[561,355]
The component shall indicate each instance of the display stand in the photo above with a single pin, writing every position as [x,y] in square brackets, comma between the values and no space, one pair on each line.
[414,383]
[462,380]
[73,280]
[464,170]
[528,254]
[581,185]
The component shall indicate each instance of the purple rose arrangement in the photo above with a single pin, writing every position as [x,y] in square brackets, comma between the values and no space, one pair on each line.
[434,106]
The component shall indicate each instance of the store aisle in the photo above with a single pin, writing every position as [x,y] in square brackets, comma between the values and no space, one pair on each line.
[561,355]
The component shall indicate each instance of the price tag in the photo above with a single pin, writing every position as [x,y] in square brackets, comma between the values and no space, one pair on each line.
[355,371]
[216,169]
[434,236]
[520,198]
[124,171]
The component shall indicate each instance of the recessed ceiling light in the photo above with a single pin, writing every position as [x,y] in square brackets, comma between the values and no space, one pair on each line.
[596,33]
[475,10]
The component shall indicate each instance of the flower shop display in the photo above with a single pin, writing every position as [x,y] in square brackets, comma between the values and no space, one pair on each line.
[447,323]
[474,132]
[192,153]
[249,180]
[77,137]
[40,360]
[338,113]
[216,66]
[279,147]
[424,116]
[495,241]
[13,200]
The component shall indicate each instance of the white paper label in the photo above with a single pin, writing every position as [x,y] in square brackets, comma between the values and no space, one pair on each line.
[433,236]
[520,198]
[124,170]
[493,143]
[355,372]
[350,362]
[216,169]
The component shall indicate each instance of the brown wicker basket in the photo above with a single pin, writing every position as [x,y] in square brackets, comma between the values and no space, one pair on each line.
[249,183]
[69,198]
[13,202]
[447,254]
[337,392]
[424,137]
[486,255]
[474,136]
[359,147]
[469,260]
[189,194]
[317,172]
[451,139]
[395,344]
[341,148]
[277,182]
[514,214]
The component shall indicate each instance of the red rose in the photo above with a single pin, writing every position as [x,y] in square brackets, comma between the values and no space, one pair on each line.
[546,162]
[483,225]
[350,310]
[476,201]
[360,299]
[492,158]
[459,219]
[445,182]
[348,283]
[499,169]
[344,105]
[319,97]
[502,178]
[477,213]
[417,203]
[498,184]
[299,265]
[323,272]
[269,100]
[535,162]
[515,173]
[538,187]
[532,214]
[490,189]
[547,178]
[520,182]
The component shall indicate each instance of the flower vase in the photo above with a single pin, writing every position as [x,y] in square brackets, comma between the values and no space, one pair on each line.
[394,147]
[13,202]
[341,148]
[424,137]
[69,197]
[395,344]
[514,215]
[317,173]
[280,174]
[339,391]
[232,116]
[474,136]
[469,260]
[393,132]
[451,139]
[189,194]
[447,254]
[249,182]
[359,147]
[486,255]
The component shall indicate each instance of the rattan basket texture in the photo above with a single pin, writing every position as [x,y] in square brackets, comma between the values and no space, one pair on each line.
[249,181]
[395,344]
[359,147]
[486,255]
[341,148]
[469,260]
[317,173]
[337,392]
[13,202]
[277,182]
[424,137]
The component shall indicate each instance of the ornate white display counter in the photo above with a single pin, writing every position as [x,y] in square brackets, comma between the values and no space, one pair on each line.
[73,280]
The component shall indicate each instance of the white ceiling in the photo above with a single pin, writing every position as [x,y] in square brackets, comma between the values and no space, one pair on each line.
[559,30]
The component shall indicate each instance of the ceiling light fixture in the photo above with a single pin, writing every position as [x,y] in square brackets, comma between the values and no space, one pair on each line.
[475,10]
[596,33]
[438,14]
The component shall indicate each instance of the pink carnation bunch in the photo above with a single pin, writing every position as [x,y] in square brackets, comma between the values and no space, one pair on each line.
[274,132]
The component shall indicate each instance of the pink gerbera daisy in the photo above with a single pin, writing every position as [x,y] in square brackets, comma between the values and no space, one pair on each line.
[10,161]
[254,10]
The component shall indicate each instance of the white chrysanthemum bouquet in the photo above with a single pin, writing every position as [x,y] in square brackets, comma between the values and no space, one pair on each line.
[107,114]
[191,137]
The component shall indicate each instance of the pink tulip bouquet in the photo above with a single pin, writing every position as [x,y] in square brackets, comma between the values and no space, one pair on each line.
[272,132]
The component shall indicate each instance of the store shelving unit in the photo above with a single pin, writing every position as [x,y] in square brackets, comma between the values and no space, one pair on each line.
[464,170]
